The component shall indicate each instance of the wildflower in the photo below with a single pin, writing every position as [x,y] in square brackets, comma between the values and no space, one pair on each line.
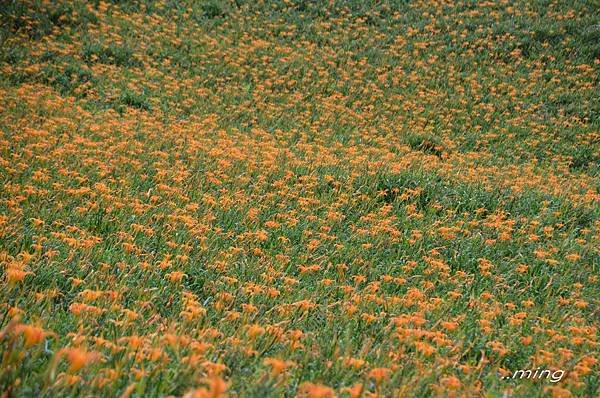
[15,275]
[312,390]
[216,388]
[450,326]
[354,391]
[451,382]
[355,363]
[278,366]
[526,340]
[379,374]
[33,334]
[78,357]
[255,331]
[425,348]
[176,276]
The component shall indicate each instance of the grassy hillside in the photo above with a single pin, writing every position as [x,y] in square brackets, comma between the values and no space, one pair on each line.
[313,198]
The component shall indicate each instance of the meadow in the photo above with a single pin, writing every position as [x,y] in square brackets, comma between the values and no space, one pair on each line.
[255,198]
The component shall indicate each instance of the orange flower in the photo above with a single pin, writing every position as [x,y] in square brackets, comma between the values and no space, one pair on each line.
[355,363]
[176,276]
[14,275]
[526,340]
[254,331]
[278,366]
[216,388]
[311,390]
[425,348]
[79,357]
[379,374]
[33,334]
[354,391]
[451,382]
[449,326]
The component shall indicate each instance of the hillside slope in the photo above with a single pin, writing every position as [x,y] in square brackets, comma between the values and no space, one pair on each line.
[299,198]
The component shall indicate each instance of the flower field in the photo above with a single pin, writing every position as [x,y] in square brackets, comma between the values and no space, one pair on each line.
[299,198]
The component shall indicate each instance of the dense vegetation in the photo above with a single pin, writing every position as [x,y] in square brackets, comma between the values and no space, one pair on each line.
[314,198]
